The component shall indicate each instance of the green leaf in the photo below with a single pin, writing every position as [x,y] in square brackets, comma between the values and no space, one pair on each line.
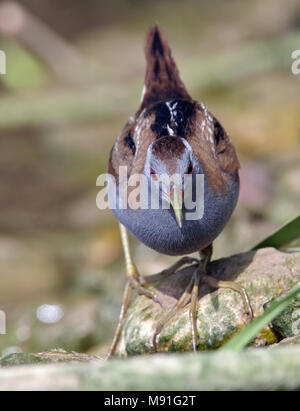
[284,235]
[244,337]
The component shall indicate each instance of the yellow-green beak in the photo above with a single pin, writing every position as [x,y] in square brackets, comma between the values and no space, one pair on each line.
[175,199]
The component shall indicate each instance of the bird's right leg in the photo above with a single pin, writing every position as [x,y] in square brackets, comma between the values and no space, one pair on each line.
[134,281]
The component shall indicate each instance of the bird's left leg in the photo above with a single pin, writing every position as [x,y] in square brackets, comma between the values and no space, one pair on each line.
[198,276]
[191,295]
[201,275]
[214,283]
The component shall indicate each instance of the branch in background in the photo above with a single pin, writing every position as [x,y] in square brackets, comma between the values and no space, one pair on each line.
[62,59]
[107,99]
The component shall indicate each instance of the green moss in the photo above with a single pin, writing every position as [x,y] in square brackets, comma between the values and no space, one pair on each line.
[268,335]
[20,359]
[184,344]
[147,308]
[54,356]
[165,338]
[287,323]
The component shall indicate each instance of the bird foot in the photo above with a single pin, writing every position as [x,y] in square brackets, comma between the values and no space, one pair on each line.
[169,271]
[138,283]
[190,295]
[134,282]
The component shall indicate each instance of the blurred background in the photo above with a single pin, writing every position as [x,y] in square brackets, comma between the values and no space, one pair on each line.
[74,74]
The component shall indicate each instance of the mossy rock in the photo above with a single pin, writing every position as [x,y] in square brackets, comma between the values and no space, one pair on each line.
[53,356]
[287,323]
[288,341]
[265,274]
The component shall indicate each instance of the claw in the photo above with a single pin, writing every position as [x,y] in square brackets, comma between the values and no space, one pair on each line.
[247,303]
[155,335]
[142,290]
[158,300]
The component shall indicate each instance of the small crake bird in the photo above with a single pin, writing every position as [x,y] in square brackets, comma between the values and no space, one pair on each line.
[173,134]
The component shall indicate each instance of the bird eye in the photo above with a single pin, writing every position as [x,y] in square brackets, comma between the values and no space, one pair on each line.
[190,168]
[153,174]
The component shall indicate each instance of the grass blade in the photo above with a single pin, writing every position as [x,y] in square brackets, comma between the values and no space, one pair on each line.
[243,338]
[284,235]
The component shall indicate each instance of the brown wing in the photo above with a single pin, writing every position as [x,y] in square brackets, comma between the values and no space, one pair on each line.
[123,151]
[213,148]
[130,148]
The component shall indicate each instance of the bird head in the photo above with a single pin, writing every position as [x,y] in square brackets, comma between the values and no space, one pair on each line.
[169,160]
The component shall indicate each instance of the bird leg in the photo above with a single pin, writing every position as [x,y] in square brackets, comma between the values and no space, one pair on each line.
[124,307]
[149,279]
[134,281]
[191,295]
[181,303]
[214,283]
[200,275]
[194,309]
